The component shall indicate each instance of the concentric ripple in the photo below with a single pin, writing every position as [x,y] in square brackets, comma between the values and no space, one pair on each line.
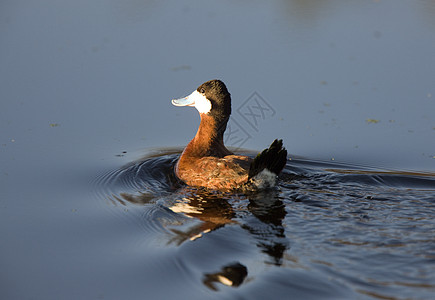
[331,220]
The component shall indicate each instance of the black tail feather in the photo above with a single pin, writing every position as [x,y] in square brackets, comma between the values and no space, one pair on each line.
[274,159]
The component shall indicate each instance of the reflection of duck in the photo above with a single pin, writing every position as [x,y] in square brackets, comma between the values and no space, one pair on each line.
[206,162]
[270,233]
[190,213]
[212,210]
[230,275]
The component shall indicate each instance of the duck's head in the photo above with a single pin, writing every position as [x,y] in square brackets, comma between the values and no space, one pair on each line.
[211,98]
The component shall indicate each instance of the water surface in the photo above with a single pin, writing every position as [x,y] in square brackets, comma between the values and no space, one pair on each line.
[86,213]
[327,231]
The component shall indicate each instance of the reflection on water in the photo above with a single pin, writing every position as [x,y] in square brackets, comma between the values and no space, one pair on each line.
[230,275]
[370,231]
[269,210]
[214,211]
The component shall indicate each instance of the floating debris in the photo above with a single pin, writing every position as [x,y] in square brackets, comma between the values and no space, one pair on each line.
[372,121]
[54,125]
[121,155]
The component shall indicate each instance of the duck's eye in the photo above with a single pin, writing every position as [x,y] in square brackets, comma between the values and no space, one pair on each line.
[202,91]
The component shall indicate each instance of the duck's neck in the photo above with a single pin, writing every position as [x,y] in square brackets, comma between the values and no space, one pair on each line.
[209,139]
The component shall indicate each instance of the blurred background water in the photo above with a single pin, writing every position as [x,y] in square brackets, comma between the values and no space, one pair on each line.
[86,86]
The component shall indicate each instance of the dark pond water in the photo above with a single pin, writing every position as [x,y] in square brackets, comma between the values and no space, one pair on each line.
[87,213]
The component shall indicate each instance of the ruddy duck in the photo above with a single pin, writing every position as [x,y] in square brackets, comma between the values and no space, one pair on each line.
[206,162]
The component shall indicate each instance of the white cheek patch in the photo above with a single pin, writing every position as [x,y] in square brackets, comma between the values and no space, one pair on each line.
[201,103]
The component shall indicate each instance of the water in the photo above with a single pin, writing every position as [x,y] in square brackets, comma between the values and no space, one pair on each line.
[87,213]
[329,230]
